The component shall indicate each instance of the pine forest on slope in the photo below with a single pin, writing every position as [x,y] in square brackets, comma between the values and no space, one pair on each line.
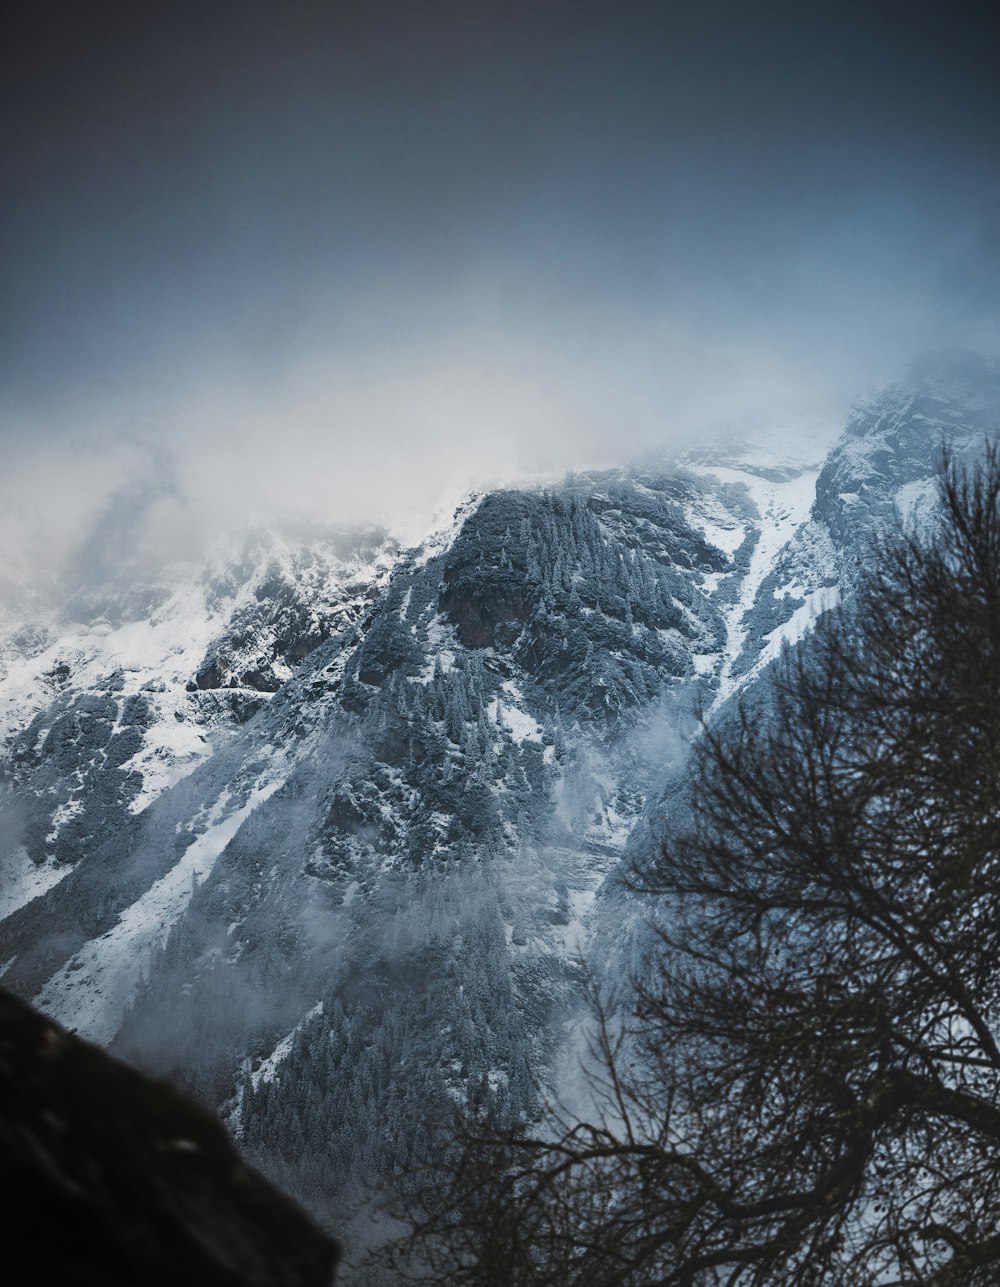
[329,830]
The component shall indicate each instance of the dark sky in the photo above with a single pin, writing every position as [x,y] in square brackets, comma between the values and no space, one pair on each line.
[398,243]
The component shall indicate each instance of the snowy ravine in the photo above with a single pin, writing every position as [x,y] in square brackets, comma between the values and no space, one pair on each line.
[92,991]
[782,504]
[328,828]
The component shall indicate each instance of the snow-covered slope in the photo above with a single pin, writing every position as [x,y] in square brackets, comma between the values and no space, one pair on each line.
[108,700]
[430,800]
[821,528]
[338,819]
[781,497]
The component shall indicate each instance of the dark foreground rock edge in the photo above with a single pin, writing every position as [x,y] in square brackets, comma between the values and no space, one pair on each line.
[110,1177]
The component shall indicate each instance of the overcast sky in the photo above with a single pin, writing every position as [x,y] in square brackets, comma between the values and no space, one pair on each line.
[353,254]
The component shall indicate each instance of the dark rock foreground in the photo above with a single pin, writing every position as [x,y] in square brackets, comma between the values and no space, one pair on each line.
[109,1177]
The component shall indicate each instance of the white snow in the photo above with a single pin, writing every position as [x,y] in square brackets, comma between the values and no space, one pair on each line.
[716,523]
[172,749]
[62,815]
[21,880]
[441,645]
[703,662]
[801,621]
[518,723]
[783,506]
[448,521]
[159,654]
[269,1066]
[792,437]
[521,726]
[916,501]
[91,993]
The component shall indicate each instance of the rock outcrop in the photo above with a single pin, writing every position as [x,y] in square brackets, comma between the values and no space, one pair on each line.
[110,1177]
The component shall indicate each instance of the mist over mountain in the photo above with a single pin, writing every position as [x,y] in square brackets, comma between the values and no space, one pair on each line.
[342,259]
[415,420]
[331,830]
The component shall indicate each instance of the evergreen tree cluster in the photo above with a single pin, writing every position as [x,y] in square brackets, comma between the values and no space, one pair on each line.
[588,612]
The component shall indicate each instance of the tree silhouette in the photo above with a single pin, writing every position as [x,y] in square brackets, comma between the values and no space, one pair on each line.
[809,1090]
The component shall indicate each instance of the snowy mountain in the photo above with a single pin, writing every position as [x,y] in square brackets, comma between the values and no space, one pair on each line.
[117,692]
[325,827]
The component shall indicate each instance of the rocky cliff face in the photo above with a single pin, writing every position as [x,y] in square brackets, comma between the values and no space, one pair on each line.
[371,901]
[877,481]
[881,470]
[115,693]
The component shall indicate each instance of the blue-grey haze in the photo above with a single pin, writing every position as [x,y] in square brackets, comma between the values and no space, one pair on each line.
[346,255]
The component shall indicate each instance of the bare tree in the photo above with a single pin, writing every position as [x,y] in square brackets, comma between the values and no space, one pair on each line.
[811,1091]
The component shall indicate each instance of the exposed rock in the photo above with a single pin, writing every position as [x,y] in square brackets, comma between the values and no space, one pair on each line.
[130,1181]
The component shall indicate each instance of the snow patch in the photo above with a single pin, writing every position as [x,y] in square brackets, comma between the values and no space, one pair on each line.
[62,815]
[916,501]
[91,993]
[521,726]
[800,622]
[448,521]
[21,880]
[172,749]
[718,526]
[783,503]
[269,1066]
